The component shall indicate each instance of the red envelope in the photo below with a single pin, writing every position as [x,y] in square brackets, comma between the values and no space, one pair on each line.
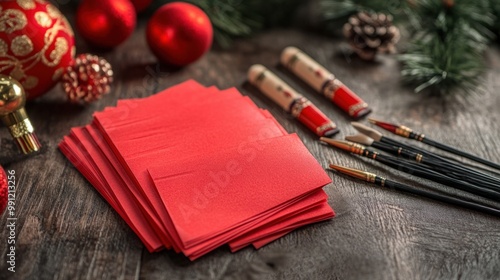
[247,194]
[319,212]
[275,223]
[125,180]
[195,251]
[168,165]
[148,237]
[117,179]
[137,160]
[327,214]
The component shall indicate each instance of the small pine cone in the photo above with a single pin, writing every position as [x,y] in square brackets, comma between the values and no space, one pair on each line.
[88,79]
[369,34]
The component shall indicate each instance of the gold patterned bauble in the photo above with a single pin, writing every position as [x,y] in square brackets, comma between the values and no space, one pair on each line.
[36,44]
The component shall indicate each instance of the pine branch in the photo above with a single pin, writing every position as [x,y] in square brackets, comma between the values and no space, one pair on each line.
[495,9]
[228,19]
[439,17]
[237,18]
[448,44]
[443,66]
[448,38]
[336,10]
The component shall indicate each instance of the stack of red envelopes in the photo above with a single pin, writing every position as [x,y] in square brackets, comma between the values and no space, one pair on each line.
[193,168]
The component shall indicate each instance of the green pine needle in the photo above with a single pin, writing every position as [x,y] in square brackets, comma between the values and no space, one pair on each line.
[434,17]
[495,9]
[228,19]
[237,18]
[335,10]
[443,66]
[448,38]
[447,46]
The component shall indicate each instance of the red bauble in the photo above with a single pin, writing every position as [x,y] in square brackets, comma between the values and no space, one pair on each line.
[105,23]
[141,5]
[36,44]
[179,33]
[3,190]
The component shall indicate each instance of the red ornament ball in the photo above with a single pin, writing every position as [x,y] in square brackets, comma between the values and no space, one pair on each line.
[141,5]
[179,33]
[36,44]
[3,190]
[105,23]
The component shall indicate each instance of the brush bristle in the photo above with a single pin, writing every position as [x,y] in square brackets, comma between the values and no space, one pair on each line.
[360,139]
[370,132]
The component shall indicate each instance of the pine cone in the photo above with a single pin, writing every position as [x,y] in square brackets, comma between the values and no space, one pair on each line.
[369,34]
[88,79]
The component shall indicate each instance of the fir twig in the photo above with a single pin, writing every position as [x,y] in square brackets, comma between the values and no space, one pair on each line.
[448,43]
[440,17]
[495,9]
[238,18]
[228,19]
[443,66]
[448,38]
[334,10]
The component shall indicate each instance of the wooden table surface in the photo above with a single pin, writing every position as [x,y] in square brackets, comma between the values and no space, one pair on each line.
[66,230]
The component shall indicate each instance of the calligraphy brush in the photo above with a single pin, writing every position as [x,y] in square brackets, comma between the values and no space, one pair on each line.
[381,181]
[459,172]
[412,168]
[392,149]
[377,136]
[407,132]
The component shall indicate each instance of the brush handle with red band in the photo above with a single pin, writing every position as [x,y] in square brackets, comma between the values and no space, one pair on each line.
[324,82]
[291,101]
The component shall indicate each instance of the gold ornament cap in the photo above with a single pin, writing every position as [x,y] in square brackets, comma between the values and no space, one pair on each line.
[13,115]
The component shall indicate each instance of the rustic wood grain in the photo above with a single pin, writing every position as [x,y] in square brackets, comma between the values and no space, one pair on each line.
[67,231]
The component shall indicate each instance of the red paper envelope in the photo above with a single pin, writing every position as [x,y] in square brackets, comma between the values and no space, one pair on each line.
[116,182]
[201,248]
[143,161]
[327,214]
[167,104]
[79,160]
[319,212]
[154,159]
[209,144]
[124,179]
[246,194]
[258,225]
[274,223]
[186,86]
